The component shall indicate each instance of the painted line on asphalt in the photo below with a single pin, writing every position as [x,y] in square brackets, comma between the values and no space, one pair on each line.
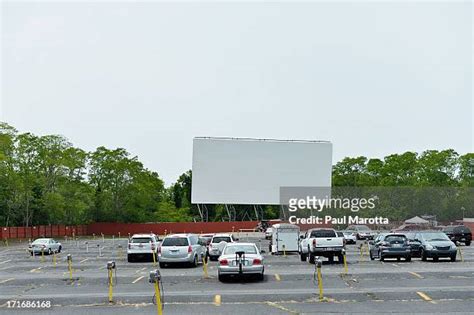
[425,297]
[140,270]
[6,280]
[217,300]
[416,275]
[84,260]
[4,262]
[395,265]
[36,269]
[138,279]
[277,277]
[280,307]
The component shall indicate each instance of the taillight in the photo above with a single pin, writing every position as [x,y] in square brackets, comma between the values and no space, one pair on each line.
[129,246]
[257,261]
[159,250]
[223,262]
[190,249]
[314,242]
[152,246]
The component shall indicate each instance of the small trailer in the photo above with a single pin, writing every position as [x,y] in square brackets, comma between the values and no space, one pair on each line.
[285,238]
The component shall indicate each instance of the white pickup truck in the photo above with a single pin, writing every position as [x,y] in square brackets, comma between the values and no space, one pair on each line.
[321,242]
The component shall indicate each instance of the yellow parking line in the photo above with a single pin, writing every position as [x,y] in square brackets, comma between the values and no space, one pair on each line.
[6,280]
[277,277]
[84,260]
[425,297]
[138,279]
[36,269]
[217,300]
[416,275]
[4,262]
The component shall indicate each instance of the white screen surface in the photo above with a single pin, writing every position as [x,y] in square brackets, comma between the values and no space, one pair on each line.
[251,171]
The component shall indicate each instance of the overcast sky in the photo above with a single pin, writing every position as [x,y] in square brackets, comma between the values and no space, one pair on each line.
[373,78]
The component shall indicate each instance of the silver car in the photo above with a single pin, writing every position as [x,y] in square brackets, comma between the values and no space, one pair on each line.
[181,248]
[239,259]
[45,245]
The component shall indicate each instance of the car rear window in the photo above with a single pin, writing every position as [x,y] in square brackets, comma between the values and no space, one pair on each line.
[248,249]
[462,229]
[140,240]
[219,239]
[395,239]
[323,233]
[41,241]
[175,241]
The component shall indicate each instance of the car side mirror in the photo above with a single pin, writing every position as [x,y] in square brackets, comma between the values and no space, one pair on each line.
[301,237]
[262,251]
[236,239]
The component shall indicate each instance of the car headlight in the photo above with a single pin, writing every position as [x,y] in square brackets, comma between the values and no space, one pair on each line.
[453,246]
[429,247]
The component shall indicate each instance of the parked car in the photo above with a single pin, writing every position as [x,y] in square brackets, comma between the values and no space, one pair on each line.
[46,245]
[206,238]
[239,259]
[350,237]
[181,248]
[142,246]
[435,244]
[218,243]
[414,246]
[321,242]
[459,233]
[268,233]
[390,245]
[362,232]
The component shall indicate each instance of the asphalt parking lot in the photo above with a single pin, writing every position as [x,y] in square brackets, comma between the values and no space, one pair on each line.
[288,288]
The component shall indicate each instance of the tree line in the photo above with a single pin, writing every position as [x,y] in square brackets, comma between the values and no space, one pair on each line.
[46,180]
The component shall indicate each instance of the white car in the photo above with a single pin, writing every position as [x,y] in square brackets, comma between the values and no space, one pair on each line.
[268,233]
[142,246]
[350,237]
[45,245]
[218,242]
[240,259]
[181,248]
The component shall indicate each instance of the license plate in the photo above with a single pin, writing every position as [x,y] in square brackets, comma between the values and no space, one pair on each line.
[397,245]
[463,239]
[330,248]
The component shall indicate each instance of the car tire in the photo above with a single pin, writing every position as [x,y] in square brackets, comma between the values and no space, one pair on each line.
[195,262]
[59,249]
[221,278]
[50,252]
[331,259]
[453,258]
[408,259]
[311,258]
[423,255]
[303,257]
[340,258]
[260,277]
[371,256]
[468,243]
[382,258]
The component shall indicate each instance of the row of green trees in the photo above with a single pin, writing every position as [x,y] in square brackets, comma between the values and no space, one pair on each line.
[46,180]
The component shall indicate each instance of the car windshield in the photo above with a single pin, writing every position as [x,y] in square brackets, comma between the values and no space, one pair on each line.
[219,239]
[395,239]
[435,237]
[140,240]
[41,241]
[248,249]
[175,241]
[323,233]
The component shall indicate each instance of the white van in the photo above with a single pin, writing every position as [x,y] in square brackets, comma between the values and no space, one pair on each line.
[285,238]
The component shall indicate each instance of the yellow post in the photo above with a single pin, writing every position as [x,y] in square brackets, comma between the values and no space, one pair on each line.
[42,254]
[54,258]
[361,252]
[69,266]
[367,249]
[320,284]
[204,267]
[158,299]
[111,285]
[154,257]
[460,253]
[345,262]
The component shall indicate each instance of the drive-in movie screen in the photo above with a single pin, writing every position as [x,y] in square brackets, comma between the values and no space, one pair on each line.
[245,157]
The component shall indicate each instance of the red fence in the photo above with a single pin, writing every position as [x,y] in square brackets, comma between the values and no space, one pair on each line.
[42,231]
[132,228]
